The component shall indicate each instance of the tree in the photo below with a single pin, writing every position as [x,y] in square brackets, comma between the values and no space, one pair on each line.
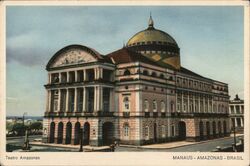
[9,126]
[36,126]
[19,128]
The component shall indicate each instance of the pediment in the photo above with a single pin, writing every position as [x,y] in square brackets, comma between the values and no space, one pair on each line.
[72,56]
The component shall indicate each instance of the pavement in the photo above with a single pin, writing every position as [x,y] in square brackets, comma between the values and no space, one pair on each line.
[207,145]
[181,146]
[76,147]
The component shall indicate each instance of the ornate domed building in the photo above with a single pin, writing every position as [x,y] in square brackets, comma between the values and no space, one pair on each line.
[137,95]
[157,45]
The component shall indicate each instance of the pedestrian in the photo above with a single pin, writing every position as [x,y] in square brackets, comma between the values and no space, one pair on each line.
[112,147]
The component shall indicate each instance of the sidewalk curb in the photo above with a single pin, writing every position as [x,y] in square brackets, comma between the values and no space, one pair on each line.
[30,136]
[153,148]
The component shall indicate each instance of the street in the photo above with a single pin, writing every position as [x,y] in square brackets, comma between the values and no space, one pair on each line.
[200,147]
[206,146]
[20,140]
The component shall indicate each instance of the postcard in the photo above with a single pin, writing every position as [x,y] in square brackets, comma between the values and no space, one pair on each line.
[124,83]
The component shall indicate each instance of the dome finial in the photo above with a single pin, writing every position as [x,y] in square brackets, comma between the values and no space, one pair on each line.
[150,22]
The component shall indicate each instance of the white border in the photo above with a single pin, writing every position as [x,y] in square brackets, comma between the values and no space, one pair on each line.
[121,158]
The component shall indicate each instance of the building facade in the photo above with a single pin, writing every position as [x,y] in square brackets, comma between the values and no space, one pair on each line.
[139,94]
[236,113]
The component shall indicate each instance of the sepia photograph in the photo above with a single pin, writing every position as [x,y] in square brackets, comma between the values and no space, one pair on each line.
[125,79]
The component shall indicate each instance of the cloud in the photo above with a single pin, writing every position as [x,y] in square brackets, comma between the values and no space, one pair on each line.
[25,49]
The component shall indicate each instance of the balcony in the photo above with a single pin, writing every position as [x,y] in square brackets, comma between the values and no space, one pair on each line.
[147,114]
[155,114]
[126,114]
[163,114]
[198,114]
[105,113]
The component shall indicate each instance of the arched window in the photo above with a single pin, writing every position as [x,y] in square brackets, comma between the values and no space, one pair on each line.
[162,106]
[154,106]
[153,74]
[163,131]
[126,131]
[126,106]
[222,108]
[172,106]
[147,133]
[145,72]
[161,76]
[146,106]
[127,72]
[172,131]
[214,108]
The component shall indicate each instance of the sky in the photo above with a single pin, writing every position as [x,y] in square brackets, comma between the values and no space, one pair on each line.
[210,41]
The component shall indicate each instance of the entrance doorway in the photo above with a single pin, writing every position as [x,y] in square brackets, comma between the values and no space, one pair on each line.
[182,130]
[52,132]
[68,133]
[107,133]
[86,133]
[60,133]
[201,130]
[155,132]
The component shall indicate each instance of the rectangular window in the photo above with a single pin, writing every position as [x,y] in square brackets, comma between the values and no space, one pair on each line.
[172,131]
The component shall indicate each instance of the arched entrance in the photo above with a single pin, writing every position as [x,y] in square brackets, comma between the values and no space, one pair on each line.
[155,132]
[219,129]
[214,129]
[77,133]
[68,133]
[86,133]
[224,128]
[60,133]
[208,129]
[182,130]
[107,133]
[201,130]
[52,132]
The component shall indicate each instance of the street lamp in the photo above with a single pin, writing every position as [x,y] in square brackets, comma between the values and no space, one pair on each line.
[25,113]
[234,147]
[81,140]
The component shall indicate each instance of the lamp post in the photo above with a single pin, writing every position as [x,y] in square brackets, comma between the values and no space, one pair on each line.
[81,140]
[234,138]
[25,113]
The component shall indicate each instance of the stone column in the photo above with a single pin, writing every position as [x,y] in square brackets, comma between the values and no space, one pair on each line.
[100,98]
[204,104]
[241,121]
[95,97]
[84,75]
[67,100]
[95,71]
[75,100]
[212,109]
[60,77]
[100,72]
[76,76]
[199,103]
[111,100]
[182,105]
[97,101]
[235,122]
[59,100]
[48,100]
[84,102]
[67,76]
[188,103]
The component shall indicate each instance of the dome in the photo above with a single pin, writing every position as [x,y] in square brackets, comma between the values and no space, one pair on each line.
[156,45]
